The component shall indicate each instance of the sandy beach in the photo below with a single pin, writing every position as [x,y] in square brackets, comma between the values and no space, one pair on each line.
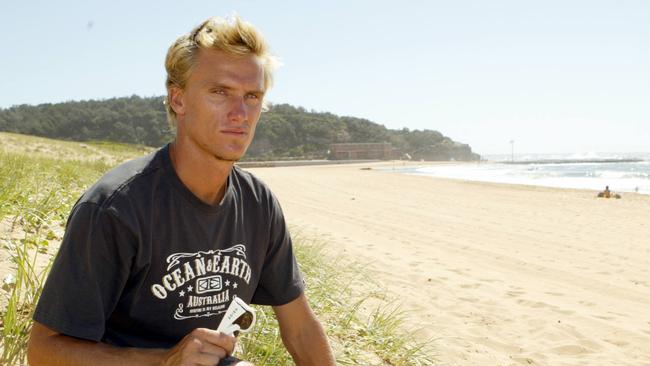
[495,274]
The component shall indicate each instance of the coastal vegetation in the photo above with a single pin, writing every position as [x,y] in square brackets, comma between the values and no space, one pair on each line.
[40,179]
[283,132]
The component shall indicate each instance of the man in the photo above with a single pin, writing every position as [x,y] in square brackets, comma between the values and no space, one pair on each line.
[156,250]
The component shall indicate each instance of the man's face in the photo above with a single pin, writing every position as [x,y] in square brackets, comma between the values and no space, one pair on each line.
[218,110]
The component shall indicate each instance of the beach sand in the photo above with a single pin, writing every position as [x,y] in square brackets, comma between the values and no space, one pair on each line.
[495,274]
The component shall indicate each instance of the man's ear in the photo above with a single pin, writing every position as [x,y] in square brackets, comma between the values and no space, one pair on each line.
[176,100]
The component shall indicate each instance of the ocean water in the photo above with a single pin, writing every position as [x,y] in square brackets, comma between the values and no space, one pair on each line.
[619,176]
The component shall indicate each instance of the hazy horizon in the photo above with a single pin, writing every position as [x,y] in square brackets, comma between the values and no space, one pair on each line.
[555,77]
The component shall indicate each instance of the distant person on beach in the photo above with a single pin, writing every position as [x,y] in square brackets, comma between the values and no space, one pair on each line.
[608,194]
[157,249]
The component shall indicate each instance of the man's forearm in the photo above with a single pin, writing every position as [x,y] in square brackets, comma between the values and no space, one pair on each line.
[59,349]
[311,347]
[303,335]
[200,346]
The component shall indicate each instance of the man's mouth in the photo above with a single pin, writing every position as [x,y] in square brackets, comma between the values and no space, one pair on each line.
[235,131]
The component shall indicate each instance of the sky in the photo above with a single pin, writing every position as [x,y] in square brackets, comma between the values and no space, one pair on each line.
[552,76]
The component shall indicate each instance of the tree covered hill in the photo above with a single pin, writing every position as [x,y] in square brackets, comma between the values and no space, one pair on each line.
[283,132]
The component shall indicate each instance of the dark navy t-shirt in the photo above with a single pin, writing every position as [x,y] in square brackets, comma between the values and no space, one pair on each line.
[144,261]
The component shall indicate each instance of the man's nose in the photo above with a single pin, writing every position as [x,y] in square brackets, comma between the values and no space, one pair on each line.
[238,110]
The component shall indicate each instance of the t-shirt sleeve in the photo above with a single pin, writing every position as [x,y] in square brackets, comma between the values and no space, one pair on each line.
[88,274]
[281,280]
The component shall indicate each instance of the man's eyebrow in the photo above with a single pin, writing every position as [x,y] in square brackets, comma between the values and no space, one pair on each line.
[216,84]
[256,91]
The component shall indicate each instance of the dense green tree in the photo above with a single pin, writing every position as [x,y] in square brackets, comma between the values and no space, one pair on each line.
[283,132]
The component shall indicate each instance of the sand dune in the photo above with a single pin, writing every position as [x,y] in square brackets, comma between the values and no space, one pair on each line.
[496,274]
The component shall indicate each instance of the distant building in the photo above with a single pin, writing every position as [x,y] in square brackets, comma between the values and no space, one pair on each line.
[368,150]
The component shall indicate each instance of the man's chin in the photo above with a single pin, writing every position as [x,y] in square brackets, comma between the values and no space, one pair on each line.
[229,157]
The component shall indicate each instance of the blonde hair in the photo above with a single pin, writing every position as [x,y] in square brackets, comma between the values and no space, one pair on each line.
[231,35]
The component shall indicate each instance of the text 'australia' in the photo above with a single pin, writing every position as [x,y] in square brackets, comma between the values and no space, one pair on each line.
[198,267]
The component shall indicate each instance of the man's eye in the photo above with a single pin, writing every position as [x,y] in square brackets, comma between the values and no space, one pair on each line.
[219,92]
[252,99]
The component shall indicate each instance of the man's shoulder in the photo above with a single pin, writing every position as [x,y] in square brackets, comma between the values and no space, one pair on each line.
[247,181]
[247,176]
[126,178]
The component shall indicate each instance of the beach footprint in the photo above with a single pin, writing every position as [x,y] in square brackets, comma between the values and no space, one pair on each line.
[515,293]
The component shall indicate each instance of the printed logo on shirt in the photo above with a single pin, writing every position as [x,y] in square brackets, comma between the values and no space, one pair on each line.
[202,282]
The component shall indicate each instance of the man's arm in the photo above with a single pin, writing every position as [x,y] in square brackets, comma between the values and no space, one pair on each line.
[303,334]
[200,347]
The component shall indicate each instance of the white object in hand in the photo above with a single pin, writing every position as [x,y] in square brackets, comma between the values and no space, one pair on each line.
[239,317]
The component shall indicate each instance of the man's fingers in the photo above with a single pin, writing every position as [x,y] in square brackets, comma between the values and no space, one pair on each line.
[202,347]
[204,359]
[202,353]
[214,350]
[194,345]
[215,338]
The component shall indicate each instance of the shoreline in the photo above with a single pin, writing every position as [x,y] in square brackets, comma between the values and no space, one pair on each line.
[573,161]
[495,273]
[499,173]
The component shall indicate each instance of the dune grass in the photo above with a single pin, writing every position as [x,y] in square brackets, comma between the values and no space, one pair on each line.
[36,195]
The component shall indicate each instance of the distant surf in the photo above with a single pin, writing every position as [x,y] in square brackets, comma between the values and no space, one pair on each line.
[621,172]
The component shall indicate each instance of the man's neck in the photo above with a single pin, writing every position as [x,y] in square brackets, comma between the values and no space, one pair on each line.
[203,174]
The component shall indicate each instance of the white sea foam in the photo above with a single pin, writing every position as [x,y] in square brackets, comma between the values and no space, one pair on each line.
[620,177]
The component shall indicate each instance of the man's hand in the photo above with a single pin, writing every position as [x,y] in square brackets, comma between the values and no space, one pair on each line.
[201,347]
